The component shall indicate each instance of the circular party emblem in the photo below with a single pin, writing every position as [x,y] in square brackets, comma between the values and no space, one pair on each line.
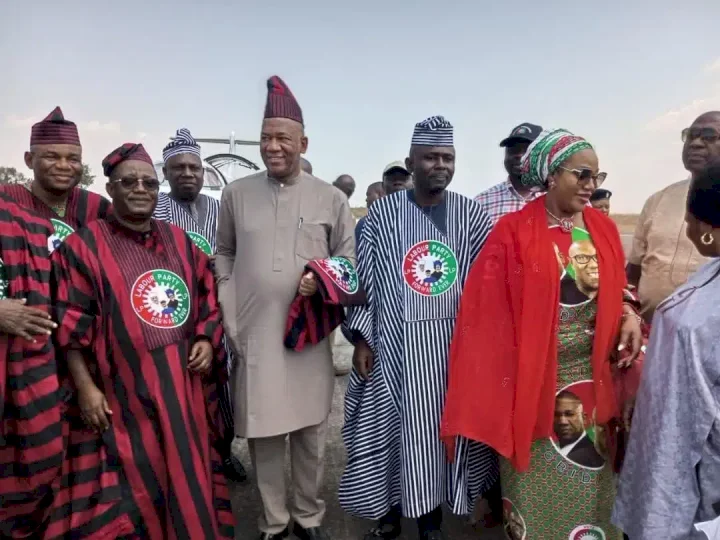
[430,268]
[161,299]
[62,231]
[587,532]
[200,241]
[341,272]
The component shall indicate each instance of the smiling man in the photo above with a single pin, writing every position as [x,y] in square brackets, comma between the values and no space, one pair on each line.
[140,326]
[271,225]
[662,258]
[417,248]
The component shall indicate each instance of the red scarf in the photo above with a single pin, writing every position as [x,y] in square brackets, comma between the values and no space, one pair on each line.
[503,356]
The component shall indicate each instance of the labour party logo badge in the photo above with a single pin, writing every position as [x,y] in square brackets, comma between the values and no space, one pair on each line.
[3,282]
[200,241]
[161,299]
[587,532]
[62,231]
[342,272]
[430,268]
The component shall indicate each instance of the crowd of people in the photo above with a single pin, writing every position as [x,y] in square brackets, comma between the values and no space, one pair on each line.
[504,347]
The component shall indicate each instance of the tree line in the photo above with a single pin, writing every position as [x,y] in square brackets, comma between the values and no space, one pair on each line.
[10,175]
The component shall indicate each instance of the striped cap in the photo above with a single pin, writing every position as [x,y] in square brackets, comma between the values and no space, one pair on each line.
[54,129]
[126,152]
[280,101]
[181,143]
[435,131]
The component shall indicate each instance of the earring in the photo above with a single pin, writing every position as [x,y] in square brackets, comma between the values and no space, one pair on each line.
[707,239]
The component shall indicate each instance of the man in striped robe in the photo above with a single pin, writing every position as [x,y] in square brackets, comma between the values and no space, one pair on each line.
[31,435]
[416,249]
[197,215]
[140,326]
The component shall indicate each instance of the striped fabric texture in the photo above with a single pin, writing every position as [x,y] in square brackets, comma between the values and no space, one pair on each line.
[280,101]
[54,129]
[434,131]
[182,143]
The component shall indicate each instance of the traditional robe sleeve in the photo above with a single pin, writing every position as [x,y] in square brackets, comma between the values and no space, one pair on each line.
[480,229]
[209,321]
[639,243]
[658,493]
[75,294]
[225,240]
[360,322]
[342,235]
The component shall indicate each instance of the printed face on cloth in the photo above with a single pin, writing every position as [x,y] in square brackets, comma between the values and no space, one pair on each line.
[183,167]
[132,183]
[282,140]
[432,155]
[55,154]
[563,164]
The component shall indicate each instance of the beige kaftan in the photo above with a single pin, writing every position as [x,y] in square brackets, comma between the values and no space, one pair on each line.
[267,232]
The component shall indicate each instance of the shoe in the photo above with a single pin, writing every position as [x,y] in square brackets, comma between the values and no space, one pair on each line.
[311,533]
[268,536]
[385,531]
[432,535]
[234,470]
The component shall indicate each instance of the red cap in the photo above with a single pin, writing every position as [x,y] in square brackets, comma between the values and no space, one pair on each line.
[54,129]
[280,101]
[126,152]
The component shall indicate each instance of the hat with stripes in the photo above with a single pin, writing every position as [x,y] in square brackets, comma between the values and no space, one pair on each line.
[435,131]
[280,101]
[54,129]
[125,152]
[181,143]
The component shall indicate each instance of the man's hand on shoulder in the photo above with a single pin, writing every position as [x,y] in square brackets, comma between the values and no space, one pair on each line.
[17,319]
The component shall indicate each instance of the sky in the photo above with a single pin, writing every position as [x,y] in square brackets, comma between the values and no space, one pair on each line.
[628,76]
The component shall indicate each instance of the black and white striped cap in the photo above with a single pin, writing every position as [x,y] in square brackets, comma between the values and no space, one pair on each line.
[181,143]
[435,131]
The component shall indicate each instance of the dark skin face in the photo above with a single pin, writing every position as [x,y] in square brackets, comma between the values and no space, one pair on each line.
[513,156]
[396,180]
[603,205]
[57,168]
[697,153]
[433,169]
[133,205]
[373,193]
[282,142]
[185,174]
[346,184]
[566,193]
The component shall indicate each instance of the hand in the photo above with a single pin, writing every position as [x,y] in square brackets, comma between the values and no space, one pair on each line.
[201,356]
[630,340]
[94,407]
[18,319]
[363,359]
[308,285]
[627,412]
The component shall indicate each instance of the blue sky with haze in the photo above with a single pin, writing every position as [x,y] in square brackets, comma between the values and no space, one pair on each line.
[626,75]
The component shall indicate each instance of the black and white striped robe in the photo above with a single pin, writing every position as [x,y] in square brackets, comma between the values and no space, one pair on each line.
[171,211]
[392,421]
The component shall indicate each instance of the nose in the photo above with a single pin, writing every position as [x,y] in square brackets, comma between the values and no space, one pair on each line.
[273,145]
[63,163]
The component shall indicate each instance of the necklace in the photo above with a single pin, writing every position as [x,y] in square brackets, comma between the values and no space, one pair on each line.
[566,224]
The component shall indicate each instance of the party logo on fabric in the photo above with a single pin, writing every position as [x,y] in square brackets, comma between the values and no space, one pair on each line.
[430,268]
[201,242]
[587,532]
[342,272]
[3,282]
[62,231]
[161,299]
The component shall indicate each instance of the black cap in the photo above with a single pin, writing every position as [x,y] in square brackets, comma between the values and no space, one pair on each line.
[525,132]
[600,195]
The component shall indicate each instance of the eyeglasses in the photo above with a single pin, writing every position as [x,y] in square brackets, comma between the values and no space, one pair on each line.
[585,175]
[707,134]
[584,259]
[150,184]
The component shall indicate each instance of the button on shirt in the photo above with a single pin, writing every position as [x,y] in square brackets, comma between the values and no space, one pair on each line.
[503,199]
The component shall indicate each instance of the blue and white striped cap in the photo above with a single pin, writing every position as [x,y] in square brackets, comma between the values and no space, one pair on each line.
[435,131]
[181,143]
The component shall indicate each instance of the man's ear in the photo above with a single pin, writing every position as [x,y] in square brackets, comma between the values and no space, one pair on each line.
[29,160]
[109,189]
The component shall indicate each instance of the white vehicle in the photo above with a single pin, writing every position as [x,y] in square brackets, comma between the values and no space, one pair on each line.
[220,169]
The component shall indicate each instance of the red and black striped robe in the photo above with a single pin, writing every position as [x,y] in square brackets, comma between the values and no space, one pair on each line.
[165,422]
[31,433]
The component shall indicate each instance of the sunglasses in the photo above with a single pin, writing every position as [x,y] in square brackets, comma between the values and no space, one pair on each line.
[585,175]
[150,184]
[707,134]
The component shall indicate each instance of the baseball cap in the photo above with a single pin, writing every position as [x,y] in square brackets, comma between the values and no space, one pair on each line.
[525,132]
[396,165]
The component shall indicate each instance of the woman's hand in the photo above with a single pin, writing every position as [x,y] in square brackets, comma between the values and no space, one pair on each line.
[94,407]
[630,338]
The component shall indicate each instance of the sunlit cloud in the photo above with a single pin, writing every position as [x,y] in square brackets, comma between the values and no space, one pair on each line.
[16,121]
[684,115]
[713,67]
[96,126]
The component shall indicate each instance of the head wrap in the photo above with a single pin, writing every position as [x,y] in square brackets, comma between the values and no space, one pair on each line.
[126,152]
[435,131]
[280,101]
[600,195]
[703,200]
[54,129]
[181,143]
[547,153]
